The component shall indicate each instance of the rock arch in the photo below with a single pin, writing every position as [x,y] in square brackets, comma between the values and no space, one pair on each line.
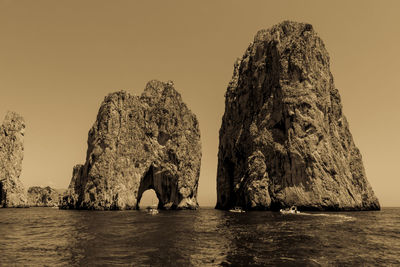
[139,143]
[163,184]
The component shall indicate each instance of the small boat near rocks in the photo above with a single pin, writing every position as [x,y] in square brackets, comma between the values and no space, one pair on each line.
[151,210]
[237,210]
[292,210]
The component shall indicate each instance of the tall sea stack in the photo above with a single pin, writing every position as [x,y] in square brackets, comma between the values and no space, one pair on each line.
[284,139]
[12,192]
[139,143]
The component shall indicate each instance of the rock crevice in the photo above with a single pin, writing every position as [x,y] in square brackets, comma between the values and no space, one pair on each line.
[284,139]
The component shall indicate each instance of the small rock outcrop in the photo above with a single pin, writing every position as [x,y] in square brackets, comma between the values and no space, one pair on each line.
[12,192]
[139,143]
[284,139]
[43,197]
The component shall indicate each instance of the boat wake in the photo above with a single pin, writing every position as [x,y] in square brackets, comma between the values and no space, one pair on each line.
[341,217]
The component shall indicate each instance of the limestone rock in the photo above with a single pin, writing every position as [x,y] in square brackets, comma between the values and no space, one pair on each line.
[12,192]
[76,186]
[139,143]
[43,197]
[284,139]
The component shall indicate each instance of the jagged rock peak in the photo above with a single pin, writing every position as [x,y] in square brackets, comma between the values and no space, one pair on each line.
[12,192]
[139,143]
[284,139]
[13,123]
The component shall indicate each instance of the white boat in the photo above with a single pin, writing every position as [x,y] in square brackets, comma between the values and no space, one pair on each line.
[292,210]
[237,209]
[152,211]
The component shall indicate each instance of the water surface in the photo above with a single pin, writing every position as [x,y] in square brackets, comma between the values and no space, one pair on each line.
[206,237]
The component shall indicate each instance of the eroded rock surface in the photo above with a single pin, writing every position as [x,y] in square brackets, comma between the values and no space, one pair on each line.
[284,139]
[139,143]
[12,192]
[76,187]
[43,197]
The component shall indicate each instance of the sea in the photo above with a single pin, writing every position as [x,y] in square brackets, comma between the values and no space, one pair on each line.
[203,237]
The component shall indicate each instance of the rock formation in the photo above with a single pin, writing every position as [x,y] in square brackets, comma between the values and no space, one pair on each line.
[284,139]
[139,143]
[12,192]
[76,186]
[43,197]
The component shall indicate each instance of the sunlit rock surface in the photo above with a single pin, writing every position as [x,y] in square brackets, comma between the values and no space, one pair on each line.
[139,143]
[12,192]
[284,139]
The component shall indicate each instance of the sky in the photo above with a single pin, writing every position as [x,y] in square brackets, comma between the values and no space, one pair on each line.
[58,59]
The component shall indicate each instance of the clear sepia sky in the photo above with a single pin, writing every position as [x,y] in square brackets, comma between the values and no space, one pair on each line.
[58,59]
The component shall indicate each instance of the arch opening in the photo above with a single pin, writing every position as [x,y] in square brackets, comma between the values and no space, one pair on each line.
[147,188]
[163,184]
[149,198]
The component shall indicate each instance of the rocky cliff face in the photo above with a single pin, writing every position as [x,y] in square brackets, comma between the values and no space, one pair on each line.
[43,197]
[139,143]
[71,197]
[284,139]
[12,192]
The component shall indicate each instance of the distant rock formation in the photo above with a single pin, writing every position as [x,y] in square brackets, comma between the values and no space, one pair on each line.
[12,192]
[43,197]
[284,139]
[139,143]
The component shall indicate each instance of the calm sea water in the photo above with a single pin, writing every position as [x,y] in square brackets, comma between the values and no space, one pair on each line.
[206,237]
